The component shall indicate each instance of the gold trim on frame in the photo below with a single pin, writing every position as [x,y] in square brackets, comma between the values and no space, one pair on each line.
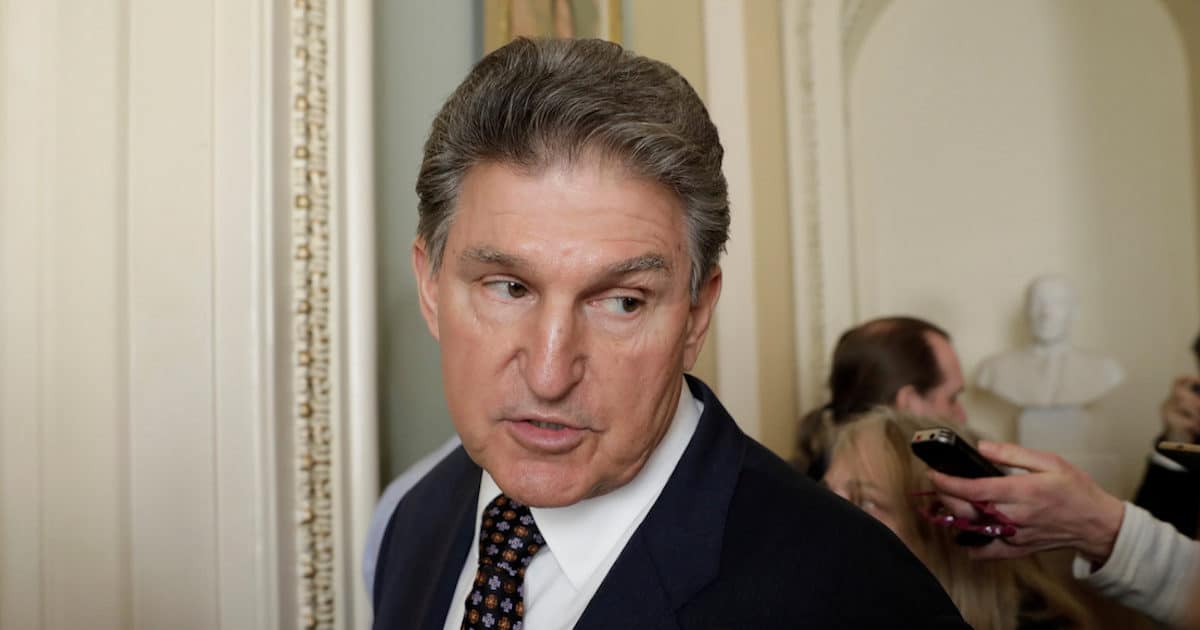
[311,360]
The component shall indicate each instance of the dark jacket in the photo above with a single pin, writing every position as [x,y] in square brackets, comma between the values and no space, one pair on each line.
[737,539]
[1171,496]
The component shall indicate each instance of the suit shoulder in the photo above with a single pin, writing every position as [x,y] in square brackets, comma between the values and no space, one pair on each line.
[766,477]
[792,529]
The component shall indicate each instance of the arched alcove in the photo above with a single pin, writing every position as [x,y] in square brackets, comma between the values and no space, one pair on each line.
[990,142]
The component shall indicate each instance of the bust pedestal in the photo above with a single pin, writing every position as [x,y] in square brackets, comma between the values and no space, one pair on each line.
[1072,433]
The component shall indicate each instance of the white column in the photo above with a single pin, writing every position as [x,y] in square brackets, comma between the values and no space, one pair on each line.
[737,312]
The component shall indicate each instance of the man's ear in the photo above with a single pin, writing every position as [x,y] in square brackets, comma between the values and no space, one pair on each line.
[427,286]
[700,317]
[908,400]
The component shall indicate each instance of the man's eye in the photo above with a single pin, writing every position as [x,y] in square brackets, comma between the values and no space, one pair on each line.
[508,289]
[622,305]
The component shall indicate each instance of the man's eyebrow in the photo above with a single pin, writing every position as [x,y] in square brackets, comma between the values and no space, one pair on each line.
[645,262]
[490,256]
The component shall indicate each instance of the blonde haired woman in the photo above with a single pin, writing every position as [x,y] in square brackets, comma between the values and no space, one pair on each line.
[871,465]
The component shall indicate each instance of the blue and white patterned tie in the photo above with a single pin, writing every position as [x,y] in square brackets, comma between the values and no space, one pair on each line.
[508,540]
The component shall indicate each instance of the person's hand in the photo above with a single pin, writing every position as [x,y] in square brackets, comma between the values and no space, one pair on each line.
[1055,505]
[1181,411]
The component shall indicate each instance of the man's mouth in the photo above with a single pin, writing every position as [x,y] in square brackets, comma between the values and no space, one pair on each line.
[553,426]
[546,436]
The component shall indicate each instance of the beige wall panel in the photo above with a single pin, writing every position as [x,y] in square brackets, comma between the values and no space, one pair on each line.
[84,380]
[62,420]
[24,59]
[996,141]
[171,315]
[133,336]
[772,253]
[672,31]
[736,322]
[247,530]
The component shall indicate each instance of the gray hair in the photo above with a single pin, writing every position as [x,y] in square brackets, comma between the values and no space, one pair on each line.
[535,103]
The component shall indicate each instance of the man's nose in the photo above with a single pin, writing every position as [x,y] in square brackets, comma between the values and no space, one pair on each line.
[553,360]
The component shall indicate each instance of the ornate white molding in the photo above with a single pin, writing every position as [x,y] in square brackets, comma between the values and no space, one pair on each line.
[807,272]
[311,334]
[828,283]
[334,328]
[358,320]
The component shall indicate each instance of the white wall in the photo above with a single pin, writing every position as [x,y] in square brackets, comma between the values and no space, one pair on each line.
[132,422]
[994,141]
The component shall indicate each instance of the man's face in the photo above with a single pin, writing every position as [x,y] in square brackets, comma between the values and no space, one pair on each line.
[563,311]
[943,400]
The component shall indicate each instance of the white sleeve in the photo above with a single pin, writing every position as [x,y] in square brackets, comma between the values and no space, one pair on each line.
[1153,568]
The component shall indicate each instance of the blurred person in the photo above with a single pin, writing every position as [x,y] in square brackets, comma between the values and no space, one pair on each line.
[873,467]
[573,213]
[1168,490]
[1121,550]
[902,362]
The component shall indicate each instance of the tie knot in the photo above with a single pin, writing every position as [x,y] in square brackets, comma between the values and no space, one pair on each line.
[508,536]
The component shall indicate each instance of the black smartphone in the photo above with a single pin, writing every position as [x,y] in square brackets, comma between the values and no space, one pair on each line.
[948,453]
[1186,455]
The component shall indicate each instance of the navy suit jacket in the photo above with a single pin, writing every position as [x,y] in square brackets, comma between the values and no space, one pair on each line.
[737,539]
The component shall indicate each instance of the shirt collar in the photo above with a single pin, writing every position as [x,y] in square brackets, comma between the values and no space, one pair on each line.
[582,536]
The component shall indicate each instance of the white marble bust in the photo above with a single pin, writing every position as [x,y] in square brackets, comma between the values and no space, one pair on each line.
[1050,373]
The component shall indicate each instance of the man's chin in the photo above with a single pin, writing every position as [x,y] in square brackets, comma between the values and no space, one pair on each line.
[542,488]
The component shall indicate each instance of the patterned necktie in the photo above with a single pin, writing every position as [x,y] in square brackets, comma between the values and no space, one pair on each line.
[508,540]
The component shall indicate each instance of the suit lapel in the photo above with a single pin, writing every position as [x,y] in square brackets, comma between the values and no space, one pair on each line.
[449,552]
[632,595]
[676,550]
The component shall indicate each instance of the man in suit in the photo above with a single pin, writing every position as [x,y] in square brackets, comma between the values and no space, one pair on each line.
[573,211]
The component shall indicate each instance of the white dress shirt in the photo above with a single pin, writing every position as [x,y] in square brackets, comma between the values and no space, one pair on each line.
[583,540]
